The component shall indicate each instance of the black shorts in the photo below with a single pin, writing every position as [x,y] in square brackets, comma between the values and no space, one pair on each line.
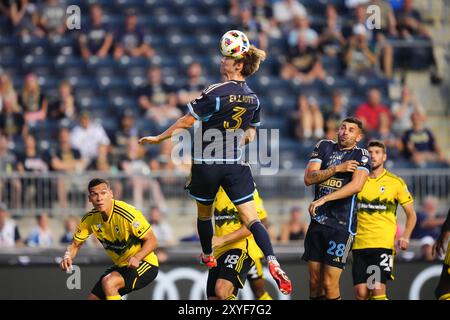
[256,272]
[366,260]
[442,291]
[236,180]
[135,279]
[327,245]
[233,266]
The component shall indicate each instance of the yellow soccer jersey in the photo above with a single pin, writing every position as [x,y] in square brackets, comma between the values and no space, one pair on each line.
[377,206]
[227,220]
[121,235]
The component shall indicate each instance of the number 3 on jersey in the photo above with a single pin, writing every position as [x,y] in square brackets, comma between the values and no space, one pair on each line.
[236,117]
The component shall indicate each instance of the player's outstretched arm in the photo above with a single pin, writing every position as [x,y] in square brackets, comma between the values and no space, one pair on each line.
[239,234]
[411,219]
[150,244]
[70,254]
[313,174]
[185,122]
[359,178]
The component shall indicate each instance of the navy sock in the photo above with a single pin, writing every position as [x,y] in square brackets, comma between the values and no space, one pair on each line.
[205,233]
[262,238]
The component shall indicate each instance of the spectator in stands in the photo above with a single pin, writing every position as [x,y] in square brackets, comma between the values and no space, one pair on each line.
[195,83]
[371,111]
[106,163]
[308,119]
[33,160]
[135,166]
[10,189]
[65,159]
[162,229]
[7,92]
[23,17]
[387,18]
[41,235]
[263,13]
[420,145]
[158,100]
[338,110]
[130,41]
[403,109]
[32,100]
[52,17]
[295,228]
[87,136]
[98,39]
[384,133]
[331,39]
[427,226]
[354,3]
[410,26]
[9,231]
[127,129]
[376,38]
[65,106]
[359,58]
[162,161]
[251,27]
[70,228]
[12,123]
[285,11]
[302,29]
[303,63]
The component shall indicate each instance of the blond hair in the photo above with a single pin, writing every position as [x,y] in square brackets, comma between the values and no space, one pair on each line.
[252,60]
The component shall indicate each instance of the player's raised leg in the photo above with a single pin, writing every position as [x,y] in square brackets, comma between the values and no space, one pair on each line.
[247,212]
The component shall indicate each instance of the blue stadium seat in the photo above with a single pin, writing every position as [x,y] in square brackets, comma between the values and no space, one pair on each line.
[41,63]
[363,84]
[69,66]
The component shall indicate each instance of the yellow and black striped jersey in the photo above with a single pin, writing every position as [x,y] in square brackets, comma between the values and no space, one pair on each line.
[377,206]
[226,219]
[121,235]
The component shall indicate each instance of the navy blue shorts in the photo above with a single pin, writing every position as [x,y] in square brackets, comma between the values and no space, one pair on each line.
[327,245]
[235,179]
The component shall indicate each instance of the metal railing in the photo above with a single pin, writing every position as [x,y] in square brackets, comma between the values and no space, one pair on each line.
[60,194]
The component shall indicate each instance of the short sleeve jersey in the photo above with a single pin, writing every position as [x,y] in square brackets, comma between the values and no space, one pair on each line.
[340,214]
[225,110]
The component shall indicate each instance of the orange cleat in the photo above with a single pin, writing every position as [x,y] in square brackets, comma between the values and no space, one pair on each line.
[280,277]
[208,260]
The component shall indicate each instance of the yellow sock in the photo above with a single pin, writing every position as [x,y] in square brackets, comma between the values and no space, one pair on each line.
[380,297]
[232,297]
[265,296]
[117,297]
[445,297]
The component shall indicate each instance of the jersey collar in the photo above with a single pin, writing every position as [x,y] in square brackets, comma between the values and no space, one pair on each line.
[381,176]
[112,211]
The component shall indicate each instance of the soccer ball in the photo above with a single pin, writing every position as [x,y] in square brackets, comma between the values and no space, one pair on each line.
[234,43]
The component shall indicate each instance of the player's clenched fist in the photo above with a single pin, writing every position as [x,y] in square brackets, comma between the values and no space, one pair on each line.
[347,166]
[66,262]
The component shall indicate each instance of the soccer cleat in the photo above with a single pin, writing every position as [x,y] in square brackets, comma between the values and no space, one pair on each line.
[280,277]
[208,260]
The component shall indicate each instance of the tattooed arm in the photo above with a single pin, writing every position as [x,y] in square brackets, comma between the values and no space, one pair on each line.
[313,174]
